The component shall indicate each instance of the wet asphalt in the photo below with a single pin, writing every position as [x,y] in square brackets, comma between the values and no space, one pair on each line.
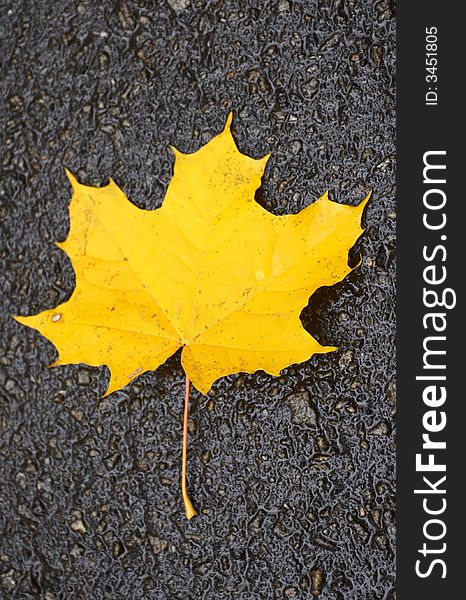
[293,476]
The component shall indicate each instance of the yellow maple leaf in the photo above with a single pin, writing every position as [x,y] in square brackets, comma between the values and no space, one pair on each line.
[210,271]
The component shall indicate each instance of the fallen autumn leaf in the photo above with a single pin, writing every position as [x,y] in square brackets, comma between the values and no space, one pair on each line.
[211,272]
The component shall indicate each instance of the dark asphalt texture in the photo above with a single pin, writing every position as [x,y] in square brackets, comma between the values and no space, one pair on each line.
[294,475]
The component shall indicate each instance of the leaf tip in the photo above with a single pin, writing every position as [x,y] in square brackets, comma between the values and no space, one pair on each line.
[325,197]
[23,320]
[364,203]
[360,210]
[176,153]
[265,158]
[202,387]
[330,349]
[72,179]
[228,121]
[108,391]
[115,383]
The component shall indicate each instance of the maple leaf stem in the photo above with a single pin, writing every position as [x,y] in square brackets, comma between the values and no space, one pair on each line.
[190,510]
